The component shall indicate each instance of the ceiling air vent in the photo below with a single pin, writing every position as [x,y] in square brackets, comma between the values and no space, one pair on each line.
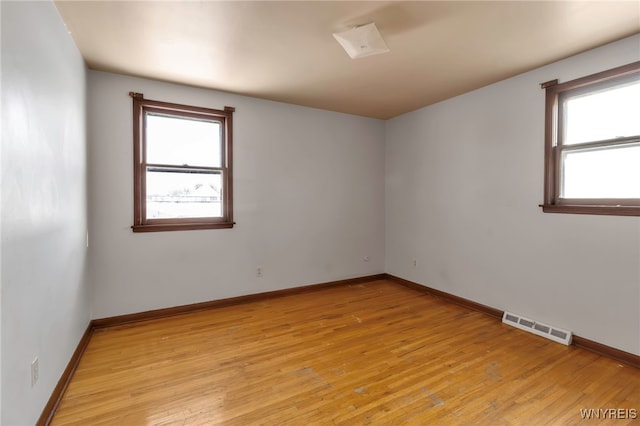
[361,41]
[553,333]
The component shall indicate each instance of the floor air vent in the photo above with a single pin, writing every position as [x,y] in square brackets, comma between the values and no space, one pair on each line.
[553,333]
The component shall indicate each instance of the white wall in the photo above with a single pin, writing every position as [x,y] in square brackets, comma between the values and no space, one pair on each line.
[308,198]
[464,179]
[45,303]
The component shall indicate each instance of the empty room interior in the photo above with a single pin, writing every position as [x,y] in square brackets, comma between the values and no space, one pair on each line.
[238,212]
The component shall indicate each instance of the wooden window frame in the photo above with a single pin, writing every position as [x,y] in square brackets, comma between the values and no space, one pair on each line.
[140,108]
[553,203]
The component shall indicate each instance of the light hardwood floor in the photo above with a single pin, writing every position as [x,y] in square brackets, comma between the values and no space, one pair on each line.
[374,353]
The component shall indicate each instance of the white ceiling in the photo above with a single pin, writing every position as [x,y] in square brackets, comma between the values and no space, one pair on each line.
[285,51]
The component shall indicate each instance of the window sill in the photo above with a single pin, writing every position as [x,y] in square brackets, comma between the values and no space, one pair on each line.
[181,227]
[591,209]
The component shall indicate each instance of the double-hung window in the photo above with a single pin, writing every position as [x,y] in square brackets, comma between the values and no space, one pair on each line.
[182,166]
[592,143]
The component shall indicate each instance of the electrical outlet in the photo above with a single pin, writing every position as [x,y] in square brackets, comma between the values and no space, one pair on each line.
[34,371]
[259,271]
[415,263]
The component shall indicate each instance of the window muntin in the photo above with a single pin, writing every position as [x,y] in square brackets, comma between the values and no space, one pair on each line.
[182,166]
[592,144]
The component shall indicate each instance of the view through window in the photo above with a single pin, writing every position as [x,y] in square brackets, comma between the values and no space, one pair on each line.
[183,173]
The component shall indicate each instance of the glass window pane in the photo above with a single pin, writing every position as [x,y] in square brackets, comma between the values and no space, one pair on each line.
[183,141]
[181,194]
[602,115]
[602,173]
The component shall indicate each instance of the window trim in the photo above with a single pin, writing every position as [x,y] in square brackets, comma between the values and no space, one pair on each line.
[552,153]
[140,223]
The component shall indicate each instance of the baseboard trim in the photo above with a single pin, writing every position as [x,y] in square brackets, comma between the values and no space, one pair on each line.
[581,342]
[184,309]
[608,351]
[56,396]
[447,296]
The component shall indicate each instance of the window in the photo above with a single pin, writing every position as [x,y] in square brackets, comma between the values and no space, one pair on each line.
[592,144]
[182,166]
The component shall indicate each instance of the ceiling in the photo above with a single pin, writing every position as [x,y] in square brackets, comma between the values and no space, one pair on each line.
[285,51]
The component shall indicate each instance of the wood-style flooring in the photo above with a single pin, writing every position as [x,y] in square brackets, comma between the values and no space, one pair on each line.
[373,353]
